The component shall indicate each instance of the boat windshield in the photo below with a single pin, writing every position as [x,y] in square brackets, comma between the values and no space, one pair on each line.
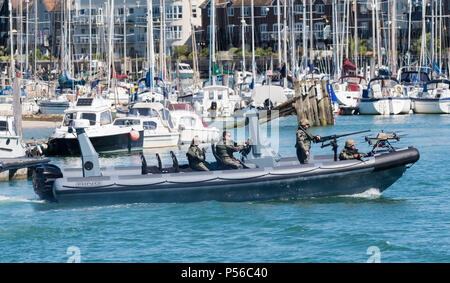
[127,122]
[3,126]
[147,112]
[92,117]
[165,114]
[68,118]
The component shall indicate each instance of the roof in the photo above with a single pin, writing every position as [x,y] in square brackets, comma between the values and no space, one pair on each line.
[52,5]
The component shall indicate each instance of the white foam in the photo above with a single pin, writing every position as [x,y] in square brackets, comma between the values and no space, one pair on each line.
[17,199]
[368,194]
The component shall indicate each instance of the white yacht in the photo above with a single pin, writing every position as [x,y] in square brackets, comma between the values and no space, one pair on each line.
[103,134]
[185,71]
[434,99]
[384,96]
[156,120]
[190,124]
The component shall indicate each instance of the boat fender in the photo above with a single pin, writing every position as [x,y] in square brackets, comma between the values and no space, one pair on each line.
[134,135]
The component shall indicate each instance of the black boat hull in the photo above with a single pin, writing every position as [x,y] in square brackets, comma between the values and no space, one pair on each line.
[292,181]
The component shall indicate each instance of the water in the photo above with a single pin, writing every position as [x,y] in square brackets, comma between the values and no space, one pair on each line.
[408,222]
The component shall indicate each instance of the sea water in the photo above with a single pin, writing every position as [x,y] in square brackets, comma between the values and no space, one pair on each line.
[409,222]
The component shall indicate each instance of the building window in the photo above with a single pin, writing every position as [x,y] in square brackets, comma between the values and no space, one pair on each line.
[275,27]
[131,10]
[275,10]
[230,11]
[298,27]
[363,8]
[246,11]
[264,11]
[175,32]
[318,27]
[263,28]
[194,11]
[298,8]
[230,29]
[320,9]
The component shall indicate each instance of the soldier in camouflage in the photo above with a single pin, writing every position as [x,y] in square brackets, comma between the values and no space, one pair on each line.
[304,139]
[196,156]
[225,149]
[350,152]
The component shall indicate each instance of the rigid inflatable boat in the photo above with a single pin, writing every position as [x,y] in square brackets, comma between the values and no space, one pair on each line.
[267,177]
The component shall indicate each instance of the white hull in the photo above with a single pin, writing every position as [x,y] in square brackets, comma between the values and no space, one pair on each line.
[205,135]
[385,106]
[348,98]
[155,140]
[431,106]
[11,147]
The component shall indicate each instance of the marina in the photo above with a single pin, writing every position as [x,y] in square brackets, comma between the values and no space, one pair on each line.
[224,131]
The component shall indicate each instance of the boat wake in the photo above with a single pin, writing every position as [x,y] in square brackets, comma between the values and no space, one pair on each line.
[7,199]
[369,194]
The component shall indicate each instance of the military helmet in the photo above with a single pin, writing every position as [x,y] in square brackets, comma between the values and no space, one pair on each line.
[304,122]
[349,143]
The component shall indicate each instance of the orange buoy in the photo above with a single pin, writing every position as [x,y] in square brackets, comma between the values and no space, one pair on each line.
[134,135]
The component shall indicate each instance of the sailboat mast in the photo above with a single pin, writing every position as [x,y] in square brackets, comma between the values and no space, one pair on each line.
[409,31]
[279,31]
[378,35]
[26,36]
[305,42]
[194,49]
[213,39]
[253,42]
[11,39]
[285,27]
[243,37]
[124,38]
[311,36]
[90,39]
[150,42]
[356,32]
[35,38]
[394,37]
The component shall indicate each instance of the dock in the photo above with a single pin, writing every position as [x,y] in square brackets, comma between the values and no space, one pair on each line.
[19,168]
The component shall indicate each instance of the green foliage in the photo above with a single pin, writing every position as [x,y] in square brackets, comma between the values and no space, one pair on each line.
[204,53]
[181,52]
[363,46]
[417,45]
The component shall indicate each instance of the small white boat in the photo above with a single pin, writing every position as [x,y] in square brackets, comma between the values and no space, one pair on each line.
[434,99]
[159,129]
[185,71]
[384,96]
[216,102]
[105,136]
[190,124]
[11,145]
[348,90]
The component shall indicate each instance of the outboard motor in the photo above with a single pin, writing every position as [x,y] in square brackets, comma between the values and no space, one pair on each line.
[43,178]
[213,105]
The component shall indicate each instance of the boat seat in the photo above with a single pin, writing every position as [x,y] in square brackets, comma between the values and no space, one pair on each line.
[220,164]
[150,169]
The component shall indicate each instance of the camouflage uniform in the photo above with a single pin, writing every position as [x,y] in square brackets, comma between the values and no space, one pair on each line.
[225,149]
[196,158]
[303,144]
[348,153]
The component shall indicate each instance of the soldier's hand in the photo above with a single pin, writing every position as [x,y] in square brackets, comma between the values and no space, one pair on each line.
[317,138]
[307,153]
